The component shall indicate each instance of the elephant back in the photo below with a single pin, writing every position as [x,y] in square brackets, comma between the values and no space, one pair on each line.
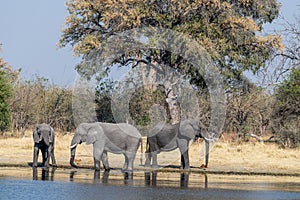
[124,128]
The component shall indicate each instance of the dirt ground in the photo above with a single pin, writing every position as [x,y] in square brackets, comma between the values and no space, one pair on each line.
[225,157]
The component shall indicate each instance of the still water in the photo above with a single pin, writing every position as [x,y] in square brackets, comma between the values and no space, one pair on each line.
[27,183]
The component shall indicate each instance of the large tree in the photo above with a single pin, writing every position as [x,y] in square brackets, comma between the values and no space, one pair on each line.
[5,94]
[6,76]
[228,29]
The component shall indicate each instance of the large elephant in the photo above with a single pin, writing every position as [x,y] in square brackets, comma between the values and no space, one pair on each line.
[167,137]
[107,137]
[44,139]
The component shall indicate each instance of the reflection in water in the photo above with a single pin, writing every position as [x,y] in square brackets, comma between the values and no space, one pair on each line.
[72,173]
[128,178]
[142,185]
[205,181]
[151,179]
[184,180]
[47,174]
[105,176]
[148,178]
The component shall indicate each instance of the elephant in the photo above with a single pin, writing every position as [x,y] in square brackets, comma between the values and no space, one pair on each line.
[119,138]
[44,139]
[168,137]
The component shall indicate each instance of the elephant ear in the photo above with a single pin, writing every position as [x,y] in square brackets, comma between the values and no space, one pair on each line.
[36,135]
[51,136]
[186,130]
[45,133]
[92,134]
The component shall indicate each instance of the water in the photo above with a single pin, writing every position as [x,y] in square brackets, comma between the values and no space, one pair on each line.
[26,183]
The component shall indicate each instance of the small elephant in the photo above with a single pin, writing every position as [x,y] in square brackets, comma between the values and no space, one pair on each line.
[167,137]
[107,137]
[43,136]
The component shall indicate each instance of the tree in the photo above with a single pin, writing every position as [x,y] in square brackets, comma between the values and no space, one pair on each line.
[287,109]
[7,76]
[227,29]
[36,101]
[5,94]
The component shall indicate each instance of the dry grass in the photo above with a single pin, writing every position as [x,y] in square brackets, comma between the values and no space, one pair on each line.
[254,157]
[224,156]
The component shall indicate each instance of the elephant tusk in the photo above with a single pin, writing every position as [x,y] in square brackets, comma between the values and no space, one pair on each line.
[73,146]
[210,139]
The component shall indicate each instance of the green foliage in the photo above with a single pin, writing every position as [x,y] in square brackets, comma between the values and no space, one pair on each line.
[290,133]
[5,94]
[288,98]
[141,103]
[103,101]
[227,29]
[36,101]
[287,108]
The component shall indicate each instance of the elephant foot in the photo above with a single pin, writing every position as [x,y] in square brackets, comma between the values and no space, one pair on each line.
[127,171]
[46,165]
[187,168]
[54,165]
[97,169]
[147,165]
[107,169]
[155,166]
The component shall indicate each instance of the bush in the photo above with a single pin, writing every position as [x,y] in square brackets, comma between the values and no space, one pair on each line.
[290,134]
[287,110]
[5,94]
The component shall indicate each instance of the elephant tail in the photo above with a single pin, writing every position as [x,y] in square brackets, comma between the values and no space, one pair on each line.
[141,157]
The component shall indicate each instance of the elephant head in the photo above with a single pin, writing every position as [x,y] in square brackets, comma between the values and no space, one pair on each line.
[200,131]
[43,132]
[84,133]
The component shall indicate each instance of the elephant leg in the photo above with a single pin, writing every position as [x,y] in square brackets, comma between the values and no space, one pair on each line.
[97,153]
[148,159]
[125,166]
[183,146]
[46,157]
[43,150]
[151,154]
[130,161]
[51,154]
[35,156]
[105,161]
[185,163]
[154,159]
[97,164]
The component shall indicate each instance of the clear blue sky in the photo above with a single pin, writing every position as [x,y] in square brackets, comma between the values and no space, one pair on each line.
[30,29]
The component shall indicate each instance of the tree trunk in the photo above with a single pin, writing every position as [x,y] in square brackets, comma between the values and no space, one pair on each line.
[173,104]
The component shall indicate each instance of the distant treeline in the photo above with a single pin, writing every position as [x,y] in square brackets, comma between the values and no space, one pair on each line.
[250,109]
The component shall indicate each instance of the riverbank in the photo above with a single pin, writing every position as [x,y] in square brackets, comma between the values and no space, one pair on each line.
[252,158]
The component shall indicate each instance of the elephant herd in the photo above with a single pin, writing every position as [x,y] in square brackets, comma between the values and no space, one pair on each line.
[122,138]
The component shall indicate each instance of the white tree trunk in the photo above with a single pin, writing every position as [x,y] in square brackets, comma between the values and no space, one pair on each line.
[173,103]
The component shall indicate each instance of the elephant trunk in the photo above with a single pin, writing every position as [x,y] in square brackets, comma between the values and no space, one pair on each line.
[73,151]
[75,141]
[206,152]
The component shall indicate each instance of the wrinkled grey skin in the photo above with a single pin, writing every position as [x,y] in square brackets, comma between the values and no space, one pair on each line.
[167,137]
[43,137]
[107,137]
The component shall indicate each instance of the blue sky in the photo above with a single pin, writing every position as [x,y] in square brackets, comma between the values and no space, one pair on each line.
[29,31]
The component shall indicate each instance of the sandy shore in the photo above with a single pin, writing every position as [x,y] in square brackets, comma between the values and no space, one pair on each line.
[251,158]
